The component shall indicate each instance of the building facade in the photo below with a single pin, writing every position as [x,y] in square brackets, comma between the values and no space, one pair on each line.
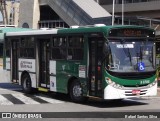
[10,11]
[32,13]
[139,12]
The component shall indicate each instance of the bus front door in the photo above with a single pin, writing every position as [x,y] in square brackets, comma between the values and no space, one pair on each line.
[95,70]
[15,53]
[44,63]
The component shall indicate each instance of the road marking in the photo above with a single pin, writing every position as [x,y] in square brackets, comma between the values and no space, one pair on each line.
[36,98]
[13,99]
[18,98]
[4,101]
[25,99]
[50,100]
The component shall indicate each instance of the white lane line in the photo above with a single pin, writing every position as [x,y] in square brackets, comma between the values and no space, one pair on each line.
[49,99]
[4,101]
[25,99]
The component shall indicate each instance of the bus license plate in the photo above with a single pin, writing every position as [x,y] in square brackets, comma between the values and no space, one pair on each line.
[136,92]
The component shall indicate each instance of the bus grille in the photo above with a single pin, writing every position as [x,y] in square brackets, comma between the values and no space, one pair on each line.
[135,85]
[129,93]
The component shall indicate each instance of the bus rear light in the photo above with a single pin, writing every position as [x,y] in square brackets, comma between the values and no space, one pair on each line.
[99,68]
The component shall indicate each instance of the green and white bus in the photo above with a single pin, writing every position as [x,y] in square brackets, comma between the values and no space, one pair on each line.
[107,62]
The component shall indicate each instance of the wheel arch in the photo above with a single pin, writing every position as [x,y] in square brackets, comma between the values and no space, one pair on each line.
[77,99]
[71,79]
[23,73]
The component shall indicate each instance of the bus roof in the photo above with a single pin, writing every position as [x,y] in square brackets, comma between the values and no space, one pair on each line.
[4,30]
[32,32]
[83,29]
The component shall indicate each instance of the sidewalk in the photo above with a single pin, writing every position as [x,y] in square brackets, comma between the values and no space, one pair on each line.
[158,92]
[3,74]
[1,62]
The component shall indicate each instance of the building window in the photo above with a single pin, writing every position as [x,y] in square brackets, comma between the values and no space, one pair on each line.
[25,25]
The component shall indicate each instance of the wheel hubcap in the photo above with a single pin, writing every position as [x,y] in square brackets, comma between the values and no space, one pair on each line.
[77,91]
[26,83]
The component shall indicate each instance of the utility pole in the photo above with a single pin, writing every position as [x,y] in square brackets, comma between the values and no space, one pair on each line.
[122,12]
[4,11]
[113,12]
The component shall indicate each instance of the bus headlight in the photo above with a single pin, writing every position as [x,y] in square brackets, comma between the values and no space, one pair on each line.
[152,84]
[113,84]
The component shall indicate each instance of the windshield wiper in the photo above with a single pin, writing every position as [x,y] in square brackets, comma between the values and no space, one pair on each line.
[130,58]
[141,54]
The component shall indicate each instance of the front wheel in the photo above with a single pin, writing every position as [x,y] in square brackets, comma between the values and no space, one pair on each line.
[76,92]
[26,84]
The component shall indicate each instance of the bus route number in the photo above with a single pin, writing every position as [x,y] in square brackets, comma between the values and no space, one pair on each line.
[144,82]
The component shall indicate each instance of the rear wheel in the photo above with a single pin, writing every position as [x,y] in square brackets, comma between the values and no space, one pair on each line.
[26,84]
[76,92]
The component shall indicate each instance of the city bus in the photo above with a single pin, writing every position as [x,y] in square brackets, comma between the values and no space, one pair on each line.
[157,43]
[104,62]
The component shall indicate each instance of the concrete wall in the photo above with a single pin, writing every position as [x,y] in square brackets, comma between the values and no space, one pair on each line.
[29,13]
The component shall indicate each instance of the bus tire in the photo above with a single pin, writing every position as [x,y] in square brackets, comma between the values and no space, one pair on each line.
[75,92]
[26,84]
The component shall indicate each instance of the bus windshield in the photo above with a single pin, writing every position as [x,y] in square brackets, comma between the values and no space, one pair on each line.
[131,55]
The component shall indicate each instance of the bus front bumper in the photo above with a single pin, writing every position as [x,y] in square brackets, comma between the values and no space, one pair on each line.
[113,93]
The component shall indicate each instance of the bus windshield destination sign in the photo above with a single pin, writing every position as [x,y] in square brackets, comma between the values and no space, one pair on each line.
[128,32]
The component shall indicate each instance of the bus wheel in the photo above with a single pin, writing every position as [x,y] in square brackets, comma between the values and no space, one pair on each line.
[76,92]
[26,84]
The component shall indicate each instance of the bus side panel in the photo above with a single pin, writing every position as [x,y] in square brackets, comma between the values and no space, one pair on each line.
[63,73]
[60,73]
[33,79]
[29,66]
[53,84]
[20,75]
[59,76]
[70,70]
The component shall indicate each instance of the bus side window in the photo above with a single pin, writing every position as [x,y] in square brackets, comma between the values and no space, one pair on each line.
[59,48]
[27,48]
[75,48]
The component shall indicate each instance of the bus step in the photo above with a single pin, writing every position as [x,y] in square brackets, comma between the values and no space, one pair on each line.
[42,89]
[95,98]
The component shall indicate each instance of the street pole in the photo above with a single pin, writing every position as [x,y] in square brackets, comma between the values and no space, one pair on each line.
[122,12]
[113,12]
